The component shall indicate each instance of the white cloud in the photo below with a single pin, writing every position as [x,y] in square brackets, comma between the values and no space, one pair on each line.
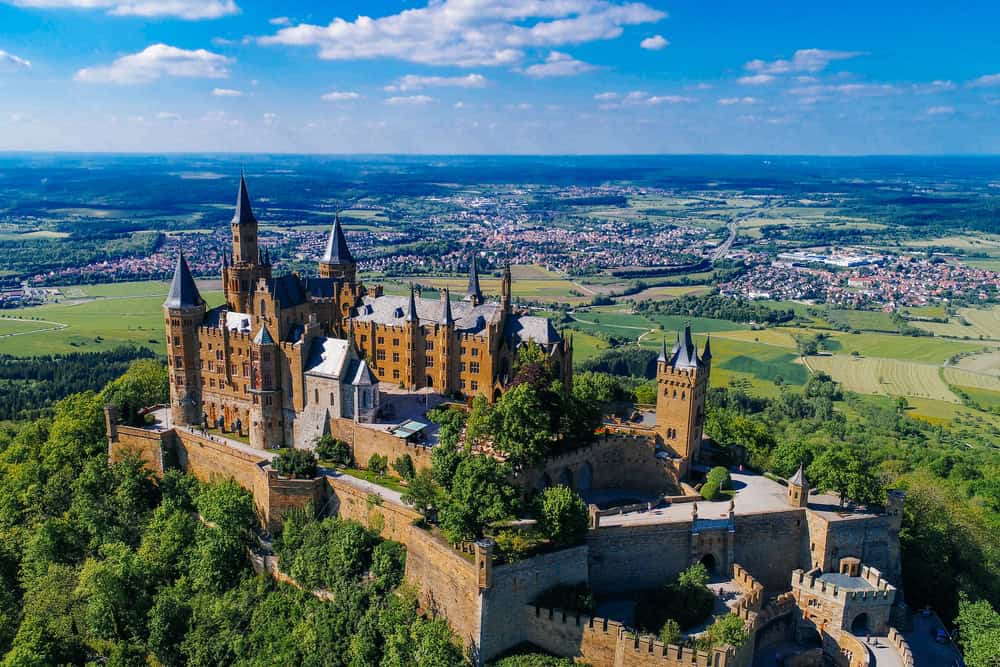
[8,61]
[459,105]
[606,96]
[167,115]
[558,64]
[637,96]
[803,60]
[191,10]
[411,100]
[227,92]
[755,80]
[280,20]
[523,106]
[986,80]
[730,101]
[845,89]
[934,87]
[700,86]
[156,61]
[340,96]
[940,111]
[269,118]
[469,33]
[670,99]
[654,43]
[414,82]
[18,117]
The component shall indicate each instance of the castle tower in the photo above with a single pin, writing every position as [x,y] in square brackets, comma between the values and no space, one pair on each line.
[798,489]
[505,287]
[184,311]
[413,372]
[473,293]
[445,341]
[265,412]
[248,263]
[682,382]
[337,260]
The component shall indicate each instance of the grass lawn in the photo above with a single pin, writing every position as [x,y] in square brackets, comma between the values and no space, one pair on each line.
[585,346]
[667,292]
[985,397]
[863,320]
[386,480]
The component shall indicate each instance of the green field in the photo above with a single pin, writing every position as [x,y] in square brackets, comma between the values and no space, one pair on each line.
[981,323]
[891,377]
[906,348]
[985,397]
[585,346]
[14,327]
[863,320]
[107,316]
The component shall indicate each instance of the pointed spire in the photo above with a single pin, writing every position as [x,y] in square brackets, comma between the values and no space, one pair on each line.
[474,293]
[688,341]
[706,355]
[799,478]
[677,344]
[446,318]
[337,251]
[411,308]
[244,212]
[263,337]
[183,291]
[663,352]
[267,256]
[225,259]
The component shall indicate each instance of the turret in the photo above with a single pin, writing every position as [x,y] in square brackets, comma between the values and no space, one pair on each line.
[265,411]
[445,344]
[244,228]
[249,263]
[184,311]
[505,289]
[798,489]
[682,383]
[473,293]
[337,260]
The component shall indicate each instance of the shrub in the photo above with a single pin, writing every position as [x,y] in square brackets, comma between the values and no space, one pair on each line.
[388,562]
[710,490]
[513,545]
[295,462]
[720,475]
[670,633]
[378,464]
[688,601]
[727,629]
[331,449]
[563,515]
[404,467]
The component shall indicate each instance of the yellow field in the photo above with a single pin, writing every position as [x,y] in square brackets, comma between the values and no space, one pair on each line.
[783,337]
[967,378]
[987,362]
[667,292]
[982,323]
[891,377]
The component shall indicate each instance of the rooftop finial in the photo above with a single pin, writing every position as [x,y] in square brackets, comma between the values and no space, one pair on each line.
[411,307]
[183,290]
[446,318]
[244,211]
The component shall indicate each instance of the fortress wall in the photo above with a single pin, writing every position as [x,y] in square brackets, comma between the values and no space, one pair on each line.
[629,558]
[616,462]
[446,579]
[365,441]
[149,445]
[284,494]
[874,540]
[207,459]
[768,545]
[517,585]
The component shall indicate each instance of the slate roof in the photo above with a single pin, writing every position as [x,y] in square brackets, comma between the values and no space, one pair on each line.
[363,375]
[685,353]
[183,291]
[799,478]
[473,291]
[288,290]
[325,288]
[524,328]
[263,337]
[391,310]
[244,212]
[327,357]
[337,251]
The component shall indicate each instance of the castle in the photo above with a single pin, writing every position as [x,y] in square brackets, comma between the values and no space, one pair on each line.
[284,353]
[289,357]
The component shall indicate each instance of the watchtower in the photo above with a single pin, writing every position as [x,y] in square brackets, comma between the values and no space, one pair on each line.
[184,311]
[682,382]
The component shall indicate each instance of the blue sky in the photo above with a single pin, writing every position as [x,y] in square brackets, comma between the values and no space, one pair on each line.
[504,76]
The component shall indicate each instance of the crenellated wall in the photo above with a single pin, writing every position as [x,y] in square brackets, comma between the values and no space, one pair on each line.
[365,441]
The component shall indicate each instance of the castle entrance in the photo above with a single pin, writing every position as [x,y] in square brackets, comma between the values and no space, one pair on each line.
[708,560]
[860,625]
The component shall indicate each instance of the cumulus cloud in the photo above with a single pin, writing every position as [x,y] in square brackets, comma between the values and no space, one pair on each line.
[845,89]
[558,64]
[803,60]
[940,111]
[191,10]
[669,99]
[606,96]
[755,80]
[414,82]
[227,92]
[934,87]
[280,20]
[410,100]
[640,97]
[8,61]
[340,96]
[730,101]
[468,33]
[654,43]
[986,80]
[156,61]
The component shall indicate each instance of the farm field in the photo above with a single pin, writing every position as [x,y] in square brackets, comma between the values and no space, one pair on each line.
[906,348]
[14,327]
[667,292]
[863,320]
[987,362]
[985,397]
[982,323]
[586,346]
[529,282]
[891,377]
[966,378]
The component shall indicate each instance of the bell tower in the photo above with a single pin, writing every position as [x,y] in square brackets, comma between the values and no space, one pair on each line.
[682,382]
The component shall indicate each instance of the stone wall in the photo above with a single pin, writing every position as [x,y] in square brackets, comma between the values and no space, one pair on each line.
[150,446]
[519,584]
[631,558]
[365,441]
[768,545]
[873,539]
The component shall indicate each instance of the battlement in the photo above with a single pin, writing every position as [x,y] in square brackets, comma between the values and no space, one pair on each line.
[812,583]
[874,577]
[753,590]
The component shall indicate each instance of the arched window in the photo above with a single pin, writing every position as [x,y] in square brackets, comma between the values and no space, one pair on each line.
[263,308]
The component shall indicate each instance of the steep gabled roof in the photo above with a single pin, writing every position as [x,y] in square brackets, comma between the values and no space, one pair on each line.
[244,212]
[337,251]
[183,291]
[662,358]
[411,308]
[364,376]
[288,290]
[263,337]
[446,317]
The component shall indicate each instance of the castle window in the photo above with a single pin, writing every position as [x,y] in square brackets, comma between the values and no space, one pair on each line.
[331,398]
[461,383]
[395,374]
[381,340]
[474,385]
[395,342]
[364,338]
[395,357]
[177,340]
[316,396]
[211,383]
[461,350]
[475,351]
[474,367]
[429,362]
[461,366]
[429,345]
[381,371]
[380,355]
[179,381]
[177,362]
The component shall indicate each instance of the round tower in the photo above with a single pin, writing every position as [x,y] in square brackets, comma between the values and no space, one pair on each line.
[265,412]
[184,311]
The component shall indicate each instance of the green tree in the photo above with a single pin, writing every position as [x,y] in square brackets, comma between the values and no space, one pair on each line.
[115,588]
[378,464]
[563,515]
[422,492]
[295,462]
[848,471]
[331,449]
[404,467]
[143,385]
[522,426]
[482,420]
[480,494]
[727,629]
[979,632]
[670,633]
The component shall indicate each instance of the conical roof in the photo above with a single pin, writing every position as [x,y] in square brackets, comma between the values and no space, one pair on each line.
[799,478]
[263,337]
[663,351]
[707,352]
[183,290]
[446,317]
[244,212]
[411,307]
[337,251]
[474,292]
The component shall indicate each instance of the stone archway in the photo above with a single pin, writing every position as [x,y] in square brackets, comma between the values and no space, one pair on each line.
[860,625]
[711,563]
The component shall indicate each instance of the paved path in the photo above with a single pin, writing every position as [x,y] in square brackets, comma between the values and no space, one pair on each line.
[56,326]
